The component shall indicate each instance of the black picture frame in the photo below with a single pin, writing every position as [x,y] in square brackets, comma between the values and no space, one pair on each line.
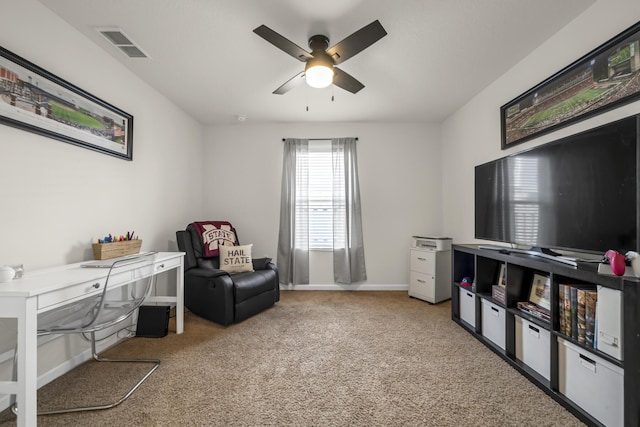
[603,79]
[38,101]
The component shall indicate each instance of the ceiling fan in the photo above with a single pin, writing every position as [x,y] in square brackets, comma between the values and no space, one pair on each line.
[320,69]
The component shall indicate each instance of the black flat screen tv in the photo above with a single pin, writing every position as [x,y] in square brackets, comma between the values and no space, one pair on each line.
[579,193]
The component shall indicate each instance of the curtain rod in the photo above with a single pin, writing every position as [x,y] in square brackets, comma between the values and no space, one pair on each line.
[315,139]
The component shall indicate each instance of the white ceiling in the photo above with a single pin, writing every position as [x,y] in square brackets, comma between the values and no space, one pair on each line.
[437,55]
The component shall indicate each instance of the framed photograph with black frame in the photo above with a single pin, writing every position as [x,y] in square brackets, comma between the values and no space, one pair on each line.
[540,293]
[603,79]
[37,101]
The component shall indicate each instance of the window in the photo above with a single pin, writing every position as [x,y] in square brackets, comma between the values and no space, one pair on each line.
[320,209]
[319,195]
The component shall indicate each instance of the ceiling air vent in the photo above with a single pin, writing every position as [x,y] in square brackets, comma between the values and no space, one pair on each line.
[123,42]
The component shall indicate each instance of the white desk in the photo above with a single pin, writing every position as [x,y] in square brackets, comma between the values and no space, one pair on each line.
[45,289]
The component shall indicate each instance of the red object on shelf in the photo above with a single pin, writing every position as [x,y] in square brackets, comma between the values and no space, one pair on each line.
[617,262]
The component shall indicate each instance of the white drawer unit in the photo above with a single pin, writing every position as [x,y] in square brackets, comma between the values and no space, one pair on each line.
[467,305]
[593,383]
[70,294]
[430,270]
[533,346]
[493,323]
[422,285]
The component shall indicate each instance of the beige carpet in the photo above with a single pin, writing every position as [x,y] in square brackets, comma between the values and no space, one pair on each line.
[315,359]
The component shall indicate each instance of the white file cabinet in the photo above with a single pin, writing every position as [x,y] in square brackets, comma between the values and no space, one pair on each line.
[430,269]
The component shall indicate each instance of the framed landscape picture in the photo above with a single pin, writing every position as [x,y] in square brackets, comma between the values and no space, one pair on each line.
[605,78]
[37,101]
[540,293]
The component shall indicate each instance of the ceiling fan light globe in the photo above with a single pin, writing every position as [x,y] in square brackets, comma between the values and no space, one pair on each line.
[319,76]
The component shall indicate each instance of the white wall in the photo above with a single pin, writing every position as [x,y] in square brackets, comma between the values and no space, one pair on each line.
[472,135]
[56,198]
[400,183]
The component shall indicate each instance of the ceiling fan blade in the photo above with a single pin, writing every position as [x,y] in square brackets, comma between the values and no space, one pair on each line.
[346,81]
[357,42]
[290,84]
[282,43]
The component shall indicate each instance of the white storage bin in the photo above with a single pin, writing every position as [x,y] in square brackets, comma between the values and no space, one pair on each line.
[467,301]
[493,323]
[533,346]
[592,383]
[609,313]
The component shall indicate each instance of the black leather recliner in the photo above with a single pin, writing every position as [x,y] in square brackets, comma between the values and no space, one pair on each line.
[219,296]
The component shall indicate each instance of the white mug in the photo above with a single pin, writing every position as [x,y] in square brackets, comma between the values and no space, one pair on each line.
[6,273]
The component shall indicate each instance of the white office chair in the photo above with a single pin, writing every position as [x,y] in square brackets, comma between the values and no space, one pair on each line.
[116,303]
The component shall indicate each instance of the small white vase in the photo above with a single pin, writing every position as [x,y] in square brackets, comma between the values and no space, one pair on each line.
[635,262]
[6,273]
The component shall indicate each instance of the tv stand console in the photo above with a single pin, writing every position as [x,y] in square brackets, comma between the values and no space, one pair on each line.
[533,252]
[597,379]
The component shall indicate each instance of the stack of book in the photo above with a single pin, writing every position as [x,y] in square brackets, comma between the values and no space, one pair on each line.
[534,310]
[577,312]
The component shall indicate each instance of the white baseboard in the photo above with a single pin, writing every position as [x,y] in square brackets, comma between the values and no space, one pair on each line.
[341,287]
[5,402]
[62,368]
[54,373]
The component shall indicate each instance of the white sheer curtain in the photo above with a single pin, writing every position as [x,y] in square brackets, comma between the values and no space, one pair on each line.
[293,240]
[348,246]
